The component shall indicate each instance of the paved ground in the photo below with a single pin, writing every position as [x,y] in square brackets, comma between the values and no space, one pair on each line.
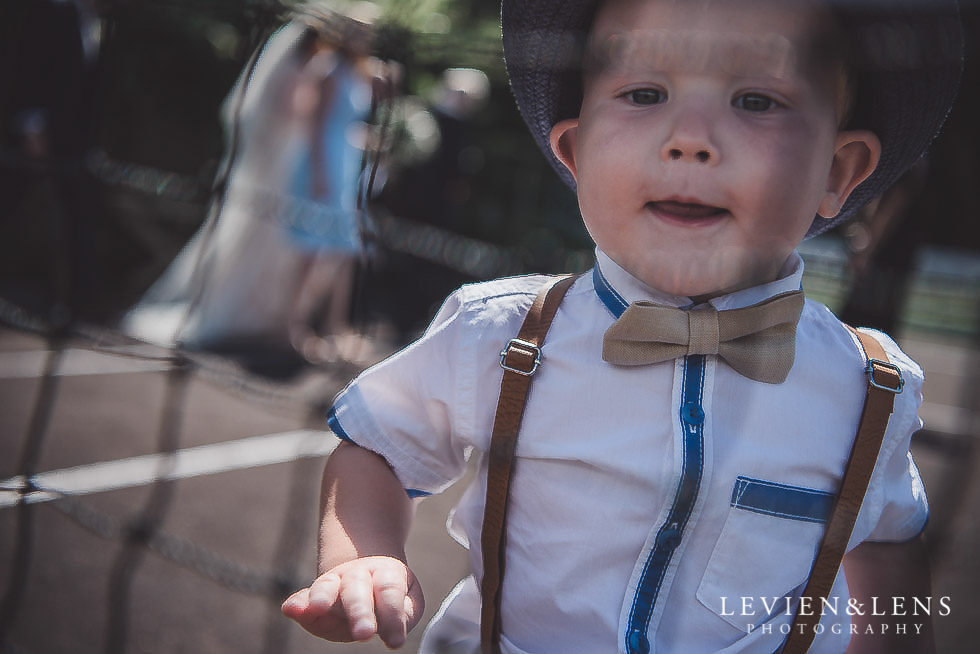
[236,519]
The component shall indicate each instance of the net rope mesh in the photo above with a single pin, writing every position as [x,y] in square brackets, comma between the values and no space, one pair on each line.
[141,531]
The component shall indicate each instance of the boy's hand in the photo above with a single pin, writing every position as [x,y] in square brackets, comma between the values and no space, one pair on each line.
[360,598]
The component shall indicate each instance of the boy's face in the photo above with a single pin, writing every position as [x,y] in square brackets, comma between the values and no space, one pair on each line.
[708,139]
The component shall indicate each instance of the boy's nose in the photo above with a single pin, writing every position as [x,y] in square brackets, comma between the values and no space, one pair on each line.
[690,142]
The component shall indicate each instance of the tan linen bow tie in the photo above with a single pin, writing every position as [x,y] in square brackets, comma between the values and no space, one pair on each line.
[758,341]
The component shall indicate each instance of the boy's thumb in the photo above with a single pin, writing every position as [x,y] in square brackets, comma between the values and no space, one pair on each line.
[296,604]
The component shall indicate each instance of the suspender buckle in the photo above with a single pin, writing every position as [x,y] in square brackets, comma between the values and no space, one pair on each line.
[528,357]
[897,382]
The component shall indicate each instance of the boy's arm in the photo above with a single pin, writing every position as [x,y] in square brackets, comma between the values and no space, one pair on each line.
[364,585]
[887,571]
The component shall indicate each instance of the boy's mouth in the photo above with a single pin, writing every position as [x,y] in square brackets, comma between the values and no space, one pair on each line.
[685,211]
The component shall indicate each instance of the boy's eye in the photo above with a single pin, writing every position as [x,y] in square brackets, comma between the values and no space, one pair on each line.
[645,96]
[754,102]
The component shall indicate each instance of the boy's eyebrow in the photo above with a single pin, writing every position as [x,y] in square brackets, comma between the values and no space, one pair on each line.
[772,55]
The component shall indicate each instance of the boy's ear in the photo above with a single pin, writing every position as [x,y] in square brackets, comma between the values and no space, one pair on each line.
[564,137]
[856,153]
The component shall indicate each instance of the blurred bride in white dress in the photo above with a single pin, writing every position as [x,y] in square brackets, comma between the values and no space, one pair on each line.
[273,264]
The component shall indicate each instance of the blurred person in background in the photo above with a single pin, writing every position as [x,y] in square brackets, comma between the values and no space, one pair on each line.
[332,99]
[431,183]
[271,269]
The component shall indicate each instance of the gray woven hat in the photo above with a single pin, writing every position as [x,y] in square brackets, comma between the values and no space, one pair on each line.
[906,54]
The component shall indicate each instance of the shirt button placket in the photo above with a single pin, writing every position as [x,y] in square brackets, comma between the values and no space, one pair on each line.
[670,536]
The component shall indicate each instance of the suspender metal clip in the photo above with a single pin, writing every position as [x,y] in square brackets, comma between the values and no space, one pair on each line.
[893,381]
[526,357]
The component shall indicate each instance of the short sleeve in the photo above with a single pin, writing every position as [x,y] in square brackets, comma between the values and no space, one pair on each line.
[895,507]
[406,410]
[426,408]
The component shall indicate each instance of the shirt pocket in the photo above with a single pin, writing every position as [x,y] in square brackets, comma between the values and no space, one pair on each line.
[765,551]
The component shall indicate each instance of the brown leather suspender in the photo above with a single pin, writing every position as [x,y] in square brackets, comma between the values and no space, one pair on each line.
[520,360]
[884,382]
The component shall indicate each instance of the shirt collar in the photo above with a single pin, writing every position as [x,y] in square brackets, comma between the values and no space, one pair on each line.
[618,289]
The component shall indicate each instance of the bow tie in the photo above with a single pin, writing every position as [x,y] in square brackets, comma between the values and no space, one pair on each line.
[757,341]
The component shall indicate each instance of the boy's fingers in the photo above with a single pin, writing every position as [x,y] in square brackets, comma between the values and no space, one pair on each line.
[390,591]
[357,598]
[324,592]
[353,602]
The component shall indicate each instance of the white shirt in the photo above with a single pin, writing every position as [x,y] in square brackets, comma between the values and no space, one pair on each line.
[647,501]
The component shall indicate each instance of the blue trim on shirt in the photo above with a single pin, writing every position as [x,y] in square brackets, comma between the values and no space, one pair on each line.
[609,296]
[336,427]
[781,500]
[670,533]
[334,423]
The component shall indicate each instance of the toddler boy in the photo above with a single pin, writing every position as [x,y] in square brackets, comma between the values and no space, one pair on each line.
[669,504]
